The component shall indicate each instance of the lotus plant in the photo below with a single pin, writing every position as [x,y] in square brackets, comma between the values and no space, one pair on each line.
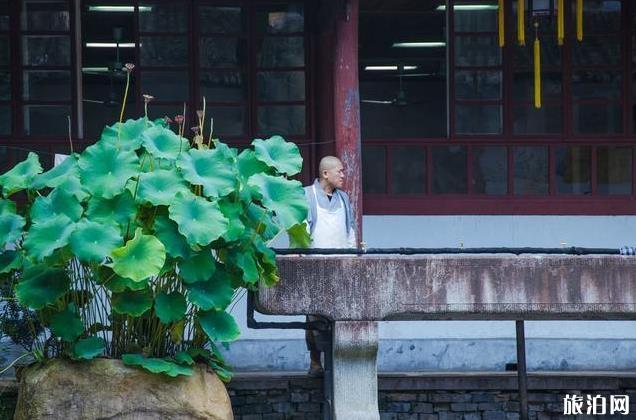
[136,247]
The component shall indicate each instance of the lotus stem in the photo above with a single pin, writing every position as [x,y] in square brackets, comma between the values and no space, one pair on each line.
[70,137]
[123,104]
[15,361]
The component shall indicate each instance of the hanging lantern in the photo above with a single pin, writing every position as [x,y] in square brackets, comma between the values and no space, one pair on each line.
[579,20]
[500,17]
[521,22]
[560,22]
[537,67]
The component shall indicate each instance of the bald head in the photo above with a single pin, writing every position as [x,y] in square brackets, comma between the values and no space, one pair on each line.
[331,173]
[327,163]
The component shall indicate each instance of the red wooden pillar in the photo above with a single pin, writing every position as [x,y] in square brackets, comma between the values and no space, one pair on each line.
[347,102]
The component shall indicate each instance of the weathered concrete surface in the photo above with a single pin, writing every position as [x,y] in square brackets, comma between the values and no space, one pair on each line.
[375,287]
[355,385]
[106,389]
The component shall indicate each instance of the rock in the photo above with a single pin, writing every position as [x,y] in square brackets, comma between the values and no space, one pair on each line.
[106,389]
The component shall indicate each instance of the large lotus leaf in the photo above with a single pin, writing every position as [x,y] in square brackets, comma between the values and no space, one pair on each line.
[213,294]
[21,175]
[183,358]
[161,186]
[73,185]
[105,169]
[197,267]
[56,203]
[245,260]
[143,256]
[127,135]
[7,207]
[67,325]
[117,284]
[163,143]
[233,212]
[120,209]
[156,365]
[170,307]
[299,236]
[284,197]
[94,241]
[48,235]
[133,303]
[41,286]
[279,154]
[58,174]
[89,348]
[219,325]
[10,228]
[262,221]
[198,219]
[249,165]
[167,232]
[9,261]
[210,168]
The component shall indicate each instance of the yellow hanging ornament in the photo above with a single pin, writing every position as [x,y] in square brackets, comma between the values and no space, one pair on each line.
[521,22]
[560,22]
[579,20]
[500,22]
[537,68]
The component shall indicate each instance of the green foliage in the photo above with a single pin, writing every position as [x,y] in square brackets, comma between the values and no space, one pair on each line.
[135,247]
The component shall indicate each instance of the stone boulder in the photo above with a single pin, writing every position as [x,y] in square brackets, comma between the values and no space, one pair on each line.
[107,389]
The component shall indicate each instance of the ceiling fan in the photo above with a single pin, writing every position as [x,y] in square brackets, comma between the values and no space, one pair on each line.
[114,71]
[401,98]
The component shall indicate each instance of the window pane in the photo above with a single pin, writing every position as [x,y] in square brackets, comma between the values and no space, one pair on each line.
[283,120]
[222,52]
[599,84]
[50,121]
[169,51]
[165,85]
[5,120]
[46,85]
[4,51]
[50,50]
[478,84]
[614,169]
[4,15]
[477,51]
[281,86]
[601,16]
[221,19]
[228,120]
[408,170]
[38,15]
[449,170]
[597,50]
[223,86]
[573,169]
[531,170]
[159,17]
[545,120]
[5,85]
[598,118]
[524,86]
[550,52]
[374,169]
[481,20]
[477,119]
[284,18]
[281,52]
[490,170]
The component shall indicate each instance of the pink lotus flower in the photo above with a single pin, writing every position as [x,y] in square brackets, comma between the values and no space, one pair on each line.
[195,130]
[179,119]
[128,67]
[168,120]
[199,113]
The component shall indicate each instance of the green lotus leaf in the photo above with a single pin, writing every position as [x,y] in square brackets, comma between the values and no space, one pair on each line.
[104,169]
[89,348]
[117,284]
[21,175]
[219,325]
[94,241]
[9,261]
[284,197]
[143,256]
[299,236]
[244,259]
[67,325]
[132,303]
[41,286]
[46,236]
[170,307]
[73,185]
[197,267]
[120,209]
[215,293]
[156,365]
[232,212]
[127,135]
[249,165]
[160,187]
[167,232]
[56,203]
[279,154]
[58,174]
[224,374]
[10,228]
[184,358]
[210,168]
[163,143]
[262,221]
[7,207]
[198,219]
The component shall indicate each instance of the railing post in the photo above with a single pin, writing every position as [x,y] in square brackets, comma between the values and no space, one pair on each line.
[521,371]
